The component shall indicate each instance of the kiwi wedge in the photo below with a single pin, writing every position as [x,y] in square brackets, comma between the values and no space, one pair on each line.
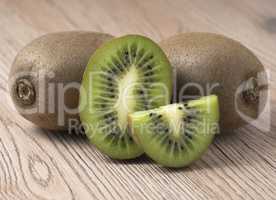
[127,74]
[208,63]
[175,135]
[45,77]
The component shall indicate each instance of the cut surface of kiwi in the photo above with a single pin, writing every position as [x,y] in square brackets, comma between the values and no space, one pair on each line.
[177,134]
[127,74]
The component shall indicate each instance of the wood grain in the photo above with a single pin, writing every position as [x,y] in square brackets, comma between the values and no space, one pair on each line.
[38,164]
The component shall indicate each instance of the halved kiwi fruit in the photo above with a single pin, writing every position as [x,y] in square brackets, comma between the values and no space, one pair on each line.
[176,135]
[125,75]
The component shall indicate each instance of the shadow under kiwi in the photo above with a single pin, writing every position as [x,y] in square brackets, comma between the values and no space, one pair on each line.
[143,159]
[82,138]
[73,138]
[197,165]
[227,149]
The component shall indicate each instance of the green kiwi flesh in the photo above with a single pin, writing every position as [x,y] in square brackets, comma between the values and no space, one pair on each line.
[45,64]
[208,63]
[175,135]
[127,74]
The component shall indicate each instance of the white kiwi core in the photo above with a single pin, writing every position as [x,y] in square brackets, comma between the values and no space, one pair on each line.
[125,103]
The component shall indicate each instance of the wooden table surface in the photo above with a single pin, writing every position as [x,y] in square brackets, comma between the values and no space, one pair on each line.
[39,164]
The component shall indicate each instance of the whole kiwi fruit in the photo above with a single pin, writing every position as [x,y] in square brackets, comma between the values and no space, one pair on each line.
[45,76]
[208,63]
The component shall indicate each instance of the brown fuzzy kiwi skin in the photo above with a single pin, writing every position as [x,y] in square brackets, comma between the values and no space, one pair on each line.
[62,57]
[204,58]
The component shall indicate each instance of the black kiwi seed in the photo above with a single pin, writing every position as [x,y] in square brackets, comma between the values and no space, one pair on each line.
[111,119]
[140,65]
[126,57]
[106,116]
[113,133]
[149,67]
[186,120]
[147,59]
[141,92]
[109,71]
[189,135]
[119,66]
[144,60]
[148,73]
[112,71]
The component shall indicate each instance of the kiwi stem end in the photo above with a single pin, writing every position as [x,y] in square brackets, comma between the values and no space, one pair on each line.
[251,91]
[24,91]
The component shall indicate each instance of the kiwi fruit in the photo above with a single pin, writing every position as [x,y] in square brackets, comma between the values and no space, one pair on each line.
[43,72]
[126,74]
[208,63]
[175,135]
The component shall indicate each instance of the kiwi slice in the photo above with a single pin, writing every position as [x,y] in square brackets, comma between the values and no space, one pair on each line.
[126,74]
[176,135]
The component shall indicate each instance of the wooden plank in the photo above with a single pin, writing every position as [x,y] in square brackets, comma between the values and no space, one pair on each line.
[38,164]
